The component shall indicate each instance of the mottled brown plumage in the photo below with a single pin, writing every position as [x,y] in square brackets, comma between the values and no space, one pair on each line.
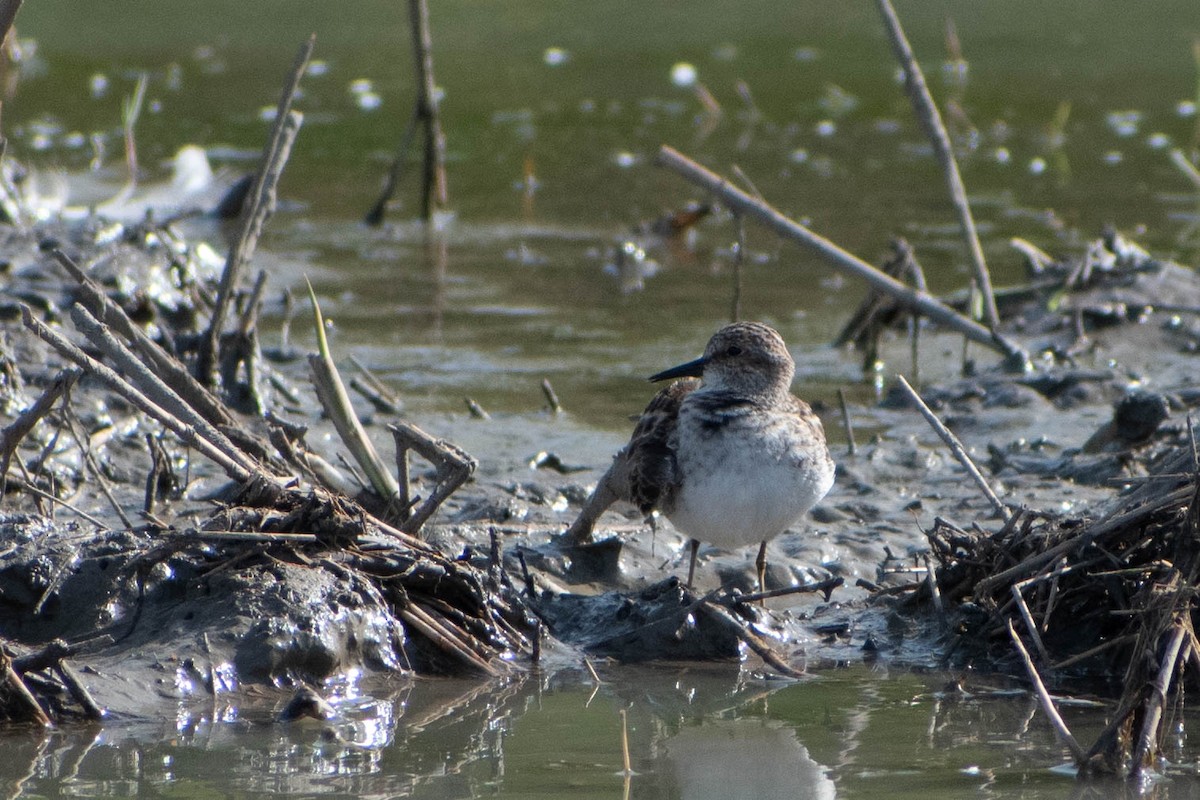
[731,460]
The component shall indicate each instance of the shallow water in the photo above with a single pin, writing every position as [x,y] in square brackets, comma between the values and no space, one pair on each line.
[703,732]
[553,112]
[553,115]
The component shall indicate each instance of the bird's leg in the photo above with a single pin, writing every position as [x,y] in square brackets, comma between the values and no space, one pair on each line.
[761,563]
[694,546]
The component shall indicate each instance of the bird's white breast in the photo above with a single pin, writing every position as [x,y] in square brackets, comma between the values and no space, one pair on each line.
[747,482]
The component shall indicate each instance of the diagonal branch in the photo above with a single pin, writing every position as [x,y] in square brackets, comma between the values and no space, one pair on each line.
[914,299]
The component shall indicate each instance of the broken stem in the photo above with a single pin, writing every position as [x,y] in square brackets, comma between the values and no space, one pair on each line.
[956,448]
[910,298]
[1056,721]
[262,205]
[927,112]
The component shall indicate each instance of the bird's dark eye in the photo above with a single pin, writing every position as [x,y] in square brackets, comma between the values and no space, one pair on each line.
[733,350]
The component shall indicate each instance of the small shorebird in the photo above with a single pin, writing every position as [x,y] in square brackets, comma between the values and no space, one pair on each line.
[732,459]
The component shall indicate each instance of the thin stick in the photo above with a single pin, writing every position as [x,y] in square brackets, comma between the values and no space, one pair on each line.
[17,689]
[375,383]
[1030,625]
[1056,721]
[1148,736]
[445,638]
[625,743]
[587,662]
[157,391]
[12,434]
[906,296]
[853,448]
[90,462]
[115,382]
[253,305]
[752,639]
[826,586]
[131,109]
[28,486]
[956,448]
[70,679]
[453,464]
[262,205]
[739,258]
[1100,648]
[1184,165]
[375,216]
[551,396]
[164,365]
[435,190]
[914,320]
[931,120]
[477,411]
[934,590]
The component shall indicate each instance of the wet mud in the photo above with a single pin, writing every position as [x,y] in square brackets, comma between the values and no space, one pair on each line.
[203,590]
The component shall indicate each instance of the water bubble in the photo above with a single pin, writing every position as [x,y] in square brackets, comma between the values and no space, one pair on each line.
[825,128]
[361,86]
[1158,141]
[1124,123]
[368,101]
[98,85]
[1113,157]
[317,67]
[625,159]
[555,56]
[1037,166]
[806,54]
[1186,108]
[887,126]
[683,75]
[1001,155]
[799,155]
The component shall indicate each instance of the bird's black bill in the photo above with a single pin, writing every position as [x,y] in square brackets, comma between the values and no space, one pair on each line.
[692,369]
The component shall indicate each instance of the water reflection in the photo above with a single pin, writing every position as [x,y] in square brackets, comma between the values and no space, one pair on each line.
[744,758]
[693,733]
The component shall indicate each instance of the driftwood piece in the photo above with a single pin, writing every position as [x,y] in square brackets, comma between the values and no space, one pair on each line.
[152,386]
[188,434]
[908,297]
[167,367]
[454,466]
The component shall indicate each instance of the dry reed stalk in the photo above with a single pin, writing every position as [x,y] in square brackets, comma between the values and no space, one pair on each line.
[960,453]
[931,120]
[1047,703]
[917,301]
[262,205]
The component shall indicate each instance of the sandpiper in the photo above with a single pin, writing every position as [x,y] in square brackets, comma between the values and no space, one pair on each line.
[732,459]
